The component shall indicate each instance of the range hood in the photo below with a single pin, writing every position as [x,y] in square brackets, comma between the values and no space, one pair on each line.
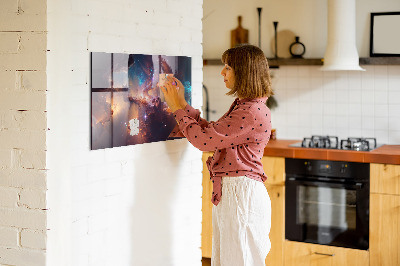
[341,51]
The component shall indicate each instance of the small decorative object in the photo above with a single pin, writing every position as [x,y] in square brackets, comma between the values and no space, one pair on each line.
[273,134]
[276,38]
[297,49]
[259,9]
[271,102]
[239,35]
[384,41]
[285,38]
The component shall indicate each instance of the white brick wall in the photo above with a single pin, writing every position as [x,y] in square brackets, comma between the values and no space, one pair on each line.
[9,237]
[134,205]
[33,239]
[8,197]
[23,132]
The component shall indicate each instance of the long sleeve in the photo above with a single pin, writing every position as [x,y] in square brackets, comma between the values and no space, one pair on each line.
[231,130]
[193,113]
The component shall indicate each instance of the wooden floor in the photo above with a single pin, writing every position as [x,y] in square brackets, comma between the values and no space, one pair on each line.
[206,261]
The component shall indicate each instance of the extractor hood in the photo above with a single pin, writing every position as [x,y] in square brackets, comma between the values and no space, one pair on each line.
[341,51]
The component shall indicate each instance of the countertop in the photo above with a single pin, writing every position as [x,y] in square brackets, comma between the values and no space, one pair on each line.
[389,154]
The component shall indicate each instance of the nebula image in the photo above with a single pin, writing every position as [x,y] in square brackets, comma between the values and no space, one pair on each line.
[127,106]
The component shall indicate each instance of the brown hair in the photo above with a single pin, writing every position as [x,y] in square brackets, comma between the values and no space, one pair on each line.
[250,66]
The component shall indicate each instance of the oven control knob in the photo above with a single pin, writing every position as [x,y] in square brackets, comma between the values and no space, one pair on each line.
[308,166]
[343,168]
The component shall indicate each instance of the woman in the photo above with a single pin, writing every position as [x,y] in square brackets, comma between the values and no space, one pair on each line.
[242,211]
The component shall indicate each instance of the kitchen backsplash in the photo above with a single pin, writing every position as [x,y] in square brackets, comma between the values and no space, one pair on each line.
[314,102]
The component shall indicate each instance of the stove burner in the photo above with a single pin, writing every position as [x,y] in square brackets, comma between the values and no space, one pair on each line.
[358,144]
[332,142]
[328,142]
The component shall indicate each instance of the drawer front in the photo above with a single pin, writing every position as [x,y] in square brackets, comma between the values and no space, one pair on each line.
[297,253]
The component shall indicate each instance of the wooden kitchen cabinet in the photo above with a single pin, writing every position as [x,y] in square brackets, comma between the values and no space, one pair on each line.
[277,233]
[384,236]
[385,178]
[305,254]
[206,225]
[385,215]
[274,168]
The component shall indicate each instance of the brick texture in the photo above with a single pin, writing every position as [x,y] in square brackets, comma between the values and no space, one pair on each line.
[33,199]
[23,218]
[8,197]
[17,256]
[9,237]
[33,239]
[23,125]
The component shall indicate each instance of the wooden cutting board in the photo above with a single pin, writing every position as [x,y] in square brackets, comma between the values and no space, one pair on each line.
[239,35]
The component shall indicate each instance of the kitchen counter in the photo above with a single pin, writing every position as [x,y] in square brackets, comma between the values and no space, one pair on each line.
[389,154]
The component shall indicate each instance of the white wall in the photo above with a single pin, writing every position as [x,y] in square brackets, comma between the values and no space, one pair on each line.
[311,102]
[306,19]
[23,133]
[343,104]
[133,205]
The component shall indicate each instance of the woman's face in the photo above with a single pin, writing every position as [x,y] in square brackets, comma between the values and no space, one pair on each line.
[229,76]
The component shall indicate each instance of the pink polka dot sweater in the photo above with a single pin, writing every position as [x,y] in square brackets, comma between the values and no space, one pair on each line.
[238,139]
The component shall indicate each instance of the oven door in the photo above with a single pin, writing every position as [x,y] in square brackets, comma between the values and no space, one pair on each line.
[327,213]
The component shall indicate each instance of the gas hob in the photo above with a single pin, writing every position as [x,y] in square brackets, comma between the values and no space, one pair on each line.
[332,142]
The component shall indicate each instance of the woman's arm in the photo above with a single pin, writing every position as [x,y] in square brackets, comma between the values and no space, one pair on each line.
[193,113]
[239,127]
[174,93]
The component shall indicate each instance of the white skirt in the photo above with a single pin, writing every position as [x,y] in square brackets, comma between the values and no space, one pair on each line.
[241,223]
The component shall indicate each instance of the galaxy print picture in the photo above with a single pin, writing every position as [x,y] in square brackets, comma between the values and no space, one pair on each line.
[128,107]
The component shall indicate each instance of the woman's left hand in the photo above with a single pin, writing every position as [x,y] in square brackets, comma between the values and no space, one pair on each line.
[171,95]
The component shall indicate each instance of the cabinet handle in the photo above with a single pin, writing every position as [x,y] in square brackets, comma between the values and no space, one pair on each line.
[324,254]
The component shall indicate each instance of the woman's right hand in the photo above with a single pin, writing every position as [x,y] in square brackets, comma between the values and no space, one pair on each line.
[181,90]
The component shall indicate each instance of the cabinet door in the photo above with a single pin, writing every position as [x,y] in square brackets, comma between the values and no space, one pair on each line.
[206,232]
[384,230]
[304,254]
[277,233]
[385,178]
[274,168]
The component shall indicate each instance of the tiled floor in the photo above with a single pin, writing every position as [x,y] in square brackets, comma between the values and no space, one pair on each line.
[206,261]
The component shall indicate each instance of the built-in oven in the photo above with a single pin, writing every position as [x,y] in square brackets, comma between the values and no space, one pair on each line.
[327,202]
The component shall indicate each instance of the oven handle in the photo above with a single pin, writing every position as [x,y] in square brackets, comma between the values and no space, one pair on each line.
[357,185]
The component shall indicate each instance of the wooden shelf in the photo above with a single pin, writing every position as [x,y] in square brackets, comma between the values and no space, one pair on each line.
[380,61]
[273,63]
